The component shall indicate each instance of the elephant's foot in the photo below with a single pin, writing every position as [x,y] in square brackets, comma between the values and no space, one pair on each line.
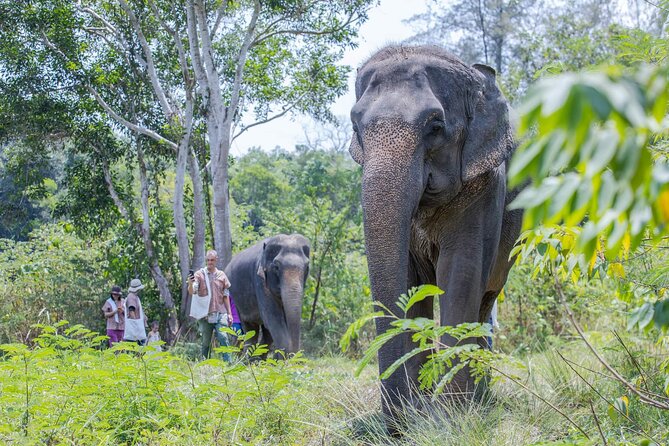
[398,406]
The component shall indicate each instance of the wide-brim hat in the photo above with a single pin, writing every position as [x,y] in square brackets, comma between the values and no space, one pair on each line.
[135,285]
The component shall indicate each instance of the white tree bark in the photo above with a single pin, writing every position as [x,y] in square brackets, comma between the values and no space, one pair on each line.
[174,115]
[197,261]
[178,206]
[219,116]
[199,216]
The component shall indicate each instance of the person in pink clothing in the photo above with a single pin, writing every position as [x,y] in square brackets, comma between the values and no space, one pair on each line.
[114,315]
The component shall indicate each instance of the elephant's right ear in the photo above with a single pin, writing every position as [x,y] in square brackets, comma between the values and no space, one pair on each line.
[261,270]
[261,273]
[355,150]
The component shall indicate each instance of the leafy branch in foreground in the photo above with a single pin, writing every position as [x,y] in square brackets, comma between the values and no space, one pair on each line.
[594,152]
[444,361]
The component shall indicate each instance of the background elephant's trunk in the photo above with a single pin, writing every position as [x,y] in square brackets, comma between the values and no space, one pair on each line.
[390,194]
[292,292]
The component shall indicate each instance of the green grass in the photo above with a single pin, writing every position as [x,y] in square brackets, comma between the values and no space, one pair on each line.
[65,392]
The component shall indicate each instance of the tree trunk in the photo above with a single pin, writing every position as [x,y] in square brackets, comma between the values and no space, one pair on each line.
[156,272]
[219,116]
[222,233]
[180,220]
[484,32]
[208,207]
[198,213]
[198,238]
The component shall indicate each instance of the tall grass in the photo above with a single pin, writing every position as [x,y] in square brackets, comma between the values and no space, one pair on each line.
[512,416]
[63,391]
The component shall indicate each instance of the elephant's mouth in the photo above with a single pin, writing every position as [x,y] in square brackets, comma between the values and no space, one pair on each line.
[434,195]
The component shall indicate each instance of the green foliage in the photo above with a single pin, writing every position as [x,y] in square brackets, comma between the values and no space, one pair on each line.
[593,153]
[591,157]
[54,275]
[63,388]
[443,361]
[531,318]
[22,184]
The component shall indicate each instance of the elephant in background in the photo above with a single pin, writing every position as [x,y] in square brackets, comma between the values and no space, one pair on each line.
[268,287]
[433,137]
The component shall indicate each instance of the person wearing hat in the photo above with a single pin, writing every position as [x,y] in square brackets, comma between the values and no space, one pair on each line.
[135,329]
[114,311]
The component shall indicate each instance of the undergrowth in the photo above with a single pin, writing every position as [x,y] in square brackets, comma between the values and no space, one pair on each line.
[66,389]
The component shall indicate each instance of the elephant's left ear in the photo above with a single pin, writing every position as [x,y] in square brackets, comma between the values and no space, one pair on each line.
[489,136]
[261,273]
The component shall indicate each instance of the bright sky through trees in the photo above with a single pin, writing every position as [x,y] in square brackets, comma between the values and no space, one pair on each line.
[385,25]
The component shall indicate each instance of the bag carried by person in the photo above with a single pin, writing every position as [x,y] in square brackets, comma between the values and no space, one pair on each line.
[218,318]
[134,328]
[199,305]
[113,306]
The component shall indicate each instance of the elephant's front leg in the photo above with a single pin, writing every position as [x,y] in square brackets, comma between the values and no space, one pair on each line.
[463,269]
[402,386]
[461,275]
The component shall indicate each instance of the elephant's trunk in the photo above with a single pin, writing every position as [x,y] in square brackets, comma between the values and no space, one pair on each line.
[292,292]
[390,194]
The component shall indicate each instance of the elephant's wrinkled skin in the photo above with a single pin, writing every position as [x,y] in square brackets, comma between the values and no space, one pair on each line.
[433,137]
[268,286]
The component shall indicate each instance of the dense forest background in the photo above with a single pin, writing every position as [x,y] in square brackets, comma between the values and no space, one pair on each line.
[110,170]
[67,235]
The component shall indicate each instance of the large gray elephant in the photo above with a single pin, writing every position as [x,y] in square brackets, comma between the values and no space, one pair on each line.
[433,137]
[268,286]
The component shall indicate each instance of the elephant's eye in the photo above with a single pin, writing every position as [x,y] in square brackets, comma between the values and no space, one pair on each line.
[437,127]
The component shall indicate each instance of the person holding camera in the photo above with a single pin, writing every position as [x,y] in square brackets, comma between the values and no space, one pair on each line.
[113,310]
[210,304]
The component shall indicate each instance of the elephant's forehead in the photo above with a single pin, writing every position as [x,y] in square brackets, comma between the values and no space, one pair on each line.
[392,71]
[411,68]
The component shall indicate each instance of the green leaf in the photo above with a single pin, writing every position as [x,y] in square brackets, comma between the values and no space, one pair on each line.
[448,377]
[398,363]
[258,350]
[374,347]
[619,409]
[420,294]
[661,314]
[353,330]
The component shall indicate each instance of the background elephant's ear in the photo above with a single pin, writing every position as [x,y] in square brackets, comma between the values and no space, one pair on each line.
[355,150]
[489,135]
